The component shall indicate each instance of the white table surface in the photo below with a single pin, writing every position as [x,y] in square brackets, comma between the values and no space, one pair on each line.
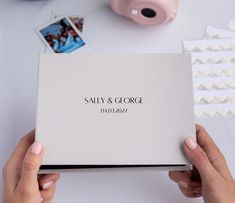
[106,32]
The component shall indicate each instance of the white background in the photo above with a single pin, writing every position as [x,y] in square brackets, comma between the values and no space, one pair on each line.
[19,50]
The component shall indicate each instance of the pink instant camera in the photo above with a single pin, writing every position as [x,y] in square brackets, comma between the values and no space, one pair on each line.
[146,12]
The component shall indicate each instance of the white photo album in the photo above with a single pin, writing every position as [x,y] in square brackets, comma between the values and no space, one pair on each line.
[115,110]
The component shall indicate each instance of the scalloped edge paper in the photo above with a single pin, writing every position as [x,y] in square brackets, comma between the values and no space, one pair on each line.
[214,97]
[213,70]
[214,83]
[214,109]
[211,57]
[209,45]
[231,25]
[215,32]
[214,100]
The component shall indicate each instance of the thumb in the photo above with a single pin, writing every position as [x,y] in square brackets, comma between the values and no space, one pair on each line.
[199,159]
[31,164]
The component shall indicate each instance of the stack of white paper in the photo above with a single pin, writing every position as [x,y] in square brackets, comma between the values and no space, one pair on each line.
[213,64]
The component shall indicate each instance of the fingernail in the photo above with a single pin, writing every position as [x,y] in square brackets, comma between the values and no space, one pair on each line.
[197,195]
[197,190]
[36,147]
[42,199]
[47,185]
[182,184]
[190,143]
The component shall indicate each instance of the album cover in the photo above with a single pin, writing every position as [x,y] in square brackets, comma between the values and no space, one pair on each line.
[114,110]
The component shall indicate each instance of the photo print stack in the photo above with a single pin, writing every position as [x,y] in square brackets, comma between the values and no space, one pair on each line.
[63,33]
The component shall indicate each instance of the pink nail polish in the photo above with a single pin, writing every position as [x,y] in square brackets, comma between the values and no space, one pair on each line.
[197,195]
[36,148]
[182,184]
[190,143]
[197,190]
[47,185]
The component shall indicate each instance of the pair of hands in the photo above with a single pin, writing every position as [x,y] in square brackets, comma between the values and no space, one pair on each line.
[210,178]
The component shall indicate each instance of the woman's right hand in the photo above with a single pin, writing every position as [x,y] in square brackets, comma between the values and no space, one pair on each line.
[214,181]
[21,182]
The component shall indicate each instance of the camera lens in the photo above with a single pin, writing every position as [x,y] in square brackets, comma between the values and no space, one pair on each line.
[148,13]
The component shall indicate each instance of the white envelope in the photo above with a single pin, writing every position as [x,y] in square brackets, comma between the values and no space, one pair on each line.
[115,110]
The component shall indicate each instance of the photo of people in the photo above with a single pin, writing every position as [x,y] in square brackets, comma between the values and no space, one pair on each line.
[62,37]
[78,22]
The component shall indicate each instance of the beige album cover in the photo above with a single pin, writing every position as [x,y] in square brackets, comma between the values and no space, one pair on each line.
[114,110]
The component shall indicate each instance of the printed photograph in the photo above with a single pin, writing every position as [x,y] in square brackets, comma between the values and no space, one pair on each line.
[78,22]
[62,37]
